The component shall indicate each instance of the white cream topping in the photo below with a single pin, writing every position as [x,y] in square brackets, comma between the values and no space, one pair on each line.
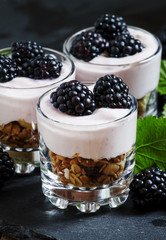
[137,71]
[104,134]
[150,47]
[100,116]
[25,82]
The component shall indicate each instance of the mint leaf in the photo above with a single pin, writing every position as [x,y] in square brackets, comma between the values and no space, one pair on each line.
[150,143]
[7,52]
[162,80]
[164,111]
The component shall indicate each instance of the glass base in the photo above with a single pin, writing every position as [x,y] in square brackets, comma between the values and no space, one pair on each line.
[147,105]
[86,200]
[25,160]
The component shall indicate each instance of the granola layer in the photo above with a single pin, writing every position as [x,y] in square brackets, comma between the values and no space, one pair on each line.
[19,134]
[82,172]
[141,106]
[147,105]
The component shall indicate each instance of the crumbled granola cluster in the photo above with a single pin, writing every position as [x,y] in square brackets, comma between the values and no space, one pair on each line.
[82,172]
[141,106]
[19,134]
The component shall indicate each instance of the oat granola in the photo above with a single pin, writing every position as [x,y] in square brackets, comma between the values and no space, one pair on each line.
[83,172]
[19,134]
[141,107]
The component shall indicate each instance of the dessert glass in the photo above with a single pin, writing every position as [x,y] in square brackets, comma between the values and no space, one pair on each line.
[82,164]
[18,124]
[140,71]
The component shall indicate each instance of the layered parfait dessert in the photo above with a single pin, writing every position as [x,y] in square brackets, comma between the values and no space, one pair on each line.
[113,47]
[27,70]
[87,138]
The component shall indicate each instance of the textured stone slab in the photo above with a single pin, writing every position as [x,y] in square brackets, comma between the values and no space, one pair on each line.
[25,210]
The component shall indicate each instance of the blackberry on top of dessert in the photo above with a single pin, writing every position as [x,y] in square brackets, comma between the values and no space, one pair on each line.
[28,59]
[109,36]
[75,98]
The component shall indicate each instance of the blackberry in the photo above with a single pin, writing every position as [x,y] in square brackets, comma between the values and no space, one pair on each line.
[6,167]
[148,187]
[124,45]
[87,45]
[42,67]
[109,26]
[8,69]
[73,98]
[110,91]
[24,51]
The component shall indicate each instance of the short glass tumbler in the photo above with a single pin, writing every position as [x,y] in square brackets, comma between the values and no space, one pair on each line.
[139,71]
[18,124]
[86,164]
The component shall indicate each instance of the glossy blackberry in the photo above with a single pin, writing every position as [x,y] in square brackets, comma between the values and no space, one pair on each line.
[87,45]
[148,188]
[73,98]
[6,167]
[109,26]
[124,45]
[44,67]
[8,69]
[24,51]
[110,91]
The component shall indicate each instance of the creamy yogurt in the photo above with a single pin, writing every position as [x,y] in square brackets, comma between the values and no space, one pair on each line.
[19,96]
[106,133]
[140,71]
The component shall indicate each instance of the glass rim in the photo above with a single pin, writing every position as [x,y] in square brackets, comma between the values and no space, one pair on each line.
[44,86]
[39,110]
[67,52]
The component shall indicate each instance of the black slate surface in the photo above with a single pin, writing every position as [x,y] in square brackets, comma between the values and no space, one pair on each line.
[23,204]
[23,207]
[51,22]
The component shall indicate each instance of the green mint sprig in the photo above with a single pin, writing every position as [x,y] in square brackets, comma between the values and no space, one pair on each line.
[150,143]
[162,80]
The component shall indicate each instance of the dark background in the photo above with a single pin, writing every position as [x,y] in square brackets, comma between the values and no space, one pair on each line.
[50,22]
[22,204]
